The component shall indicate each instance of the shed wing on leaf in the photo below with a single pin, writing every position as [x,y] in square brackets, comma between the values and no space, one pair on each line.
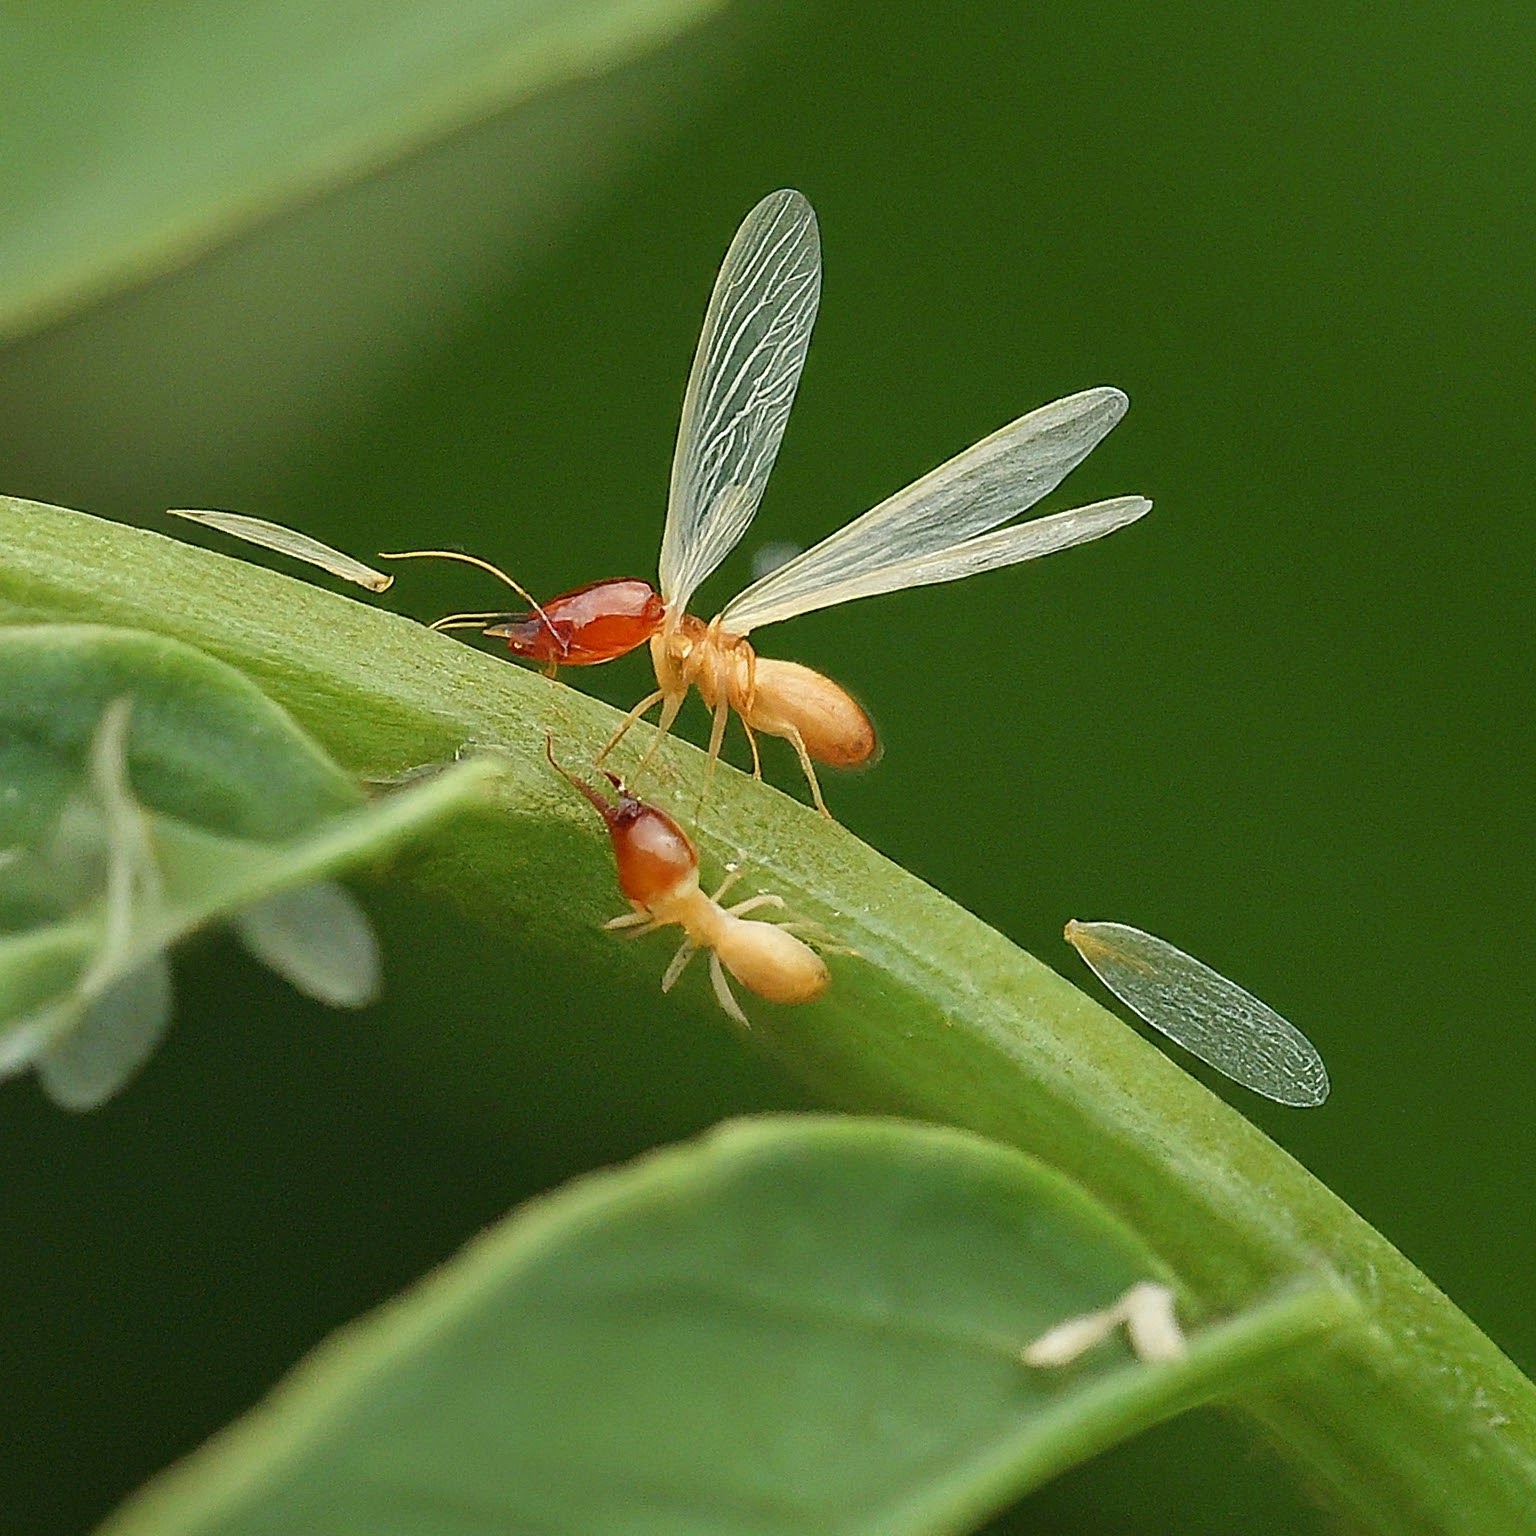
[289,541]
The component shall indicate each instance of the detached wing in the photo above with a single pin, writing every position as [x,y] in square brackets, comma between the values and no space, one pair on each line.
[1198,1008]
[929,532]
[288,541]
[756,332]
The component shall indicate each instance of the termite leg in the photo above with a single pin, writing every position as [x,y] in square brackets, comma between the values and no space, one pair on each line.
[630,920]
[723,993]
[679,964]
[752,903]
[716,741]
[671,703]
[757,762]
[628,720]
[727,883]
[797,741]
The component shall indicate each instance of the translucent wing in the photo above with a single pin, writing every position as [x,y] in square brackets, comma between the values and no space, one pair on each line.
[1006,546]
[286,541]
[892,545]
[751,351]
[1198,1008]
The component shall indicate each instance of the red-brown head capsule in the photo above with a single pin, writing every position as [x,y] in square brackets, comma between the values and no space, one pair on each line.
[654,855]
[587,625]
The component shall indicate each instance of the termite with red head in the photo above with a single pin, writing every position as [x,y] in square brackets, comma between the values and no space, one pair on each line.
[947,525]
[659,873]
[580,628]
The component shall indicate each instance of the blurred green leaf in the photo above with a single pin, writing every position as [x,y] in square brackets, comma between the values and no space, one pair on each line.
[138,136]
[149,790]
[797,1325]
[206,746]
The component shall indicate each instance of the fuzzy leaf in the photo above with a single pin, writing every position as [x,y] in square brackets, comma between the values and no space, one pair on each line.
[138,136]
[795,1327]
[111,876]
[318,939]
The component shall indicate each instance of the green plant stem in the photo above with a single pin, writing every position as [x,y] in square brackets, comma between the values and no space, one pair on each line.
[1409,1421]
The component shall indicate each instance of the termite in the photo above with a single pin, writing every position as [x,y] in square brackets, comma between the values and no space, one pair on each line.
[659,872]
[946,525]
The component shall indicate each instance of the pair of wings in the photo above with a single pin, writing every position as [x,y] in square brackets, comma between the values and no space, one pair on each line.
[756,332]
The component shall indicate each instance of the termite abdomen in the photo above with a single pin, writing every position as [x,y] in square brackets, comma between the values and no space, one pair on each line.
[789,698]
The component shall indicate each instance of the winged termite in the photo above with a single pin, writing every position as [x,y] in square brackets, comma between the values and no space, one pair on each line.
[659,873]
[1198,1008]
[946,525]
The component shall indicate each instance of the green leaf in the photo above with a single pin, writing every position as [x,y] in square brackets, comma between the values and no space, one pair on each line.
[138,136]
[316,938]
[1414,1422]
[206,746]
[798,1326]
[150,790]
[115,1033]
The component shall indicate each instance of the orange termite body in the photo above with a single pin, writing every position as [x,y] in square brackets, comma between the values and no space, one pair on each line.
[607,619]
[820,720]
[659,872]
[588,625]
[956,521]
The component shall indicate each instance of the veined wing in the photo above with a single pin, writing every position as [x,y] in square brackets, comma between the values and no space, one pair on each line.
[288,541]
[756,332]
[1004,546]
[1198,1008]
[990,482]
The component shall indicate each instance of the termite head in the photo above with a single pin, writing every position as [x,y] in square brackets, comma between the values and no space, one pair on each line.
[577,629]
[587,625]
[655,857]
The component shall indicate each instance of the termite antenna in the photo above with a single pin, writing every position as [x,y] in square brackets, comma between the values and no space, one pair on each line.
[484,565]
[600,805]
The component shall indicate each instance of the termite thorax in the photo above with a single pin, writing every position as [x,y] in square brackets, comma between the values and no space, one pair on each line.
[689,651]
[781,698]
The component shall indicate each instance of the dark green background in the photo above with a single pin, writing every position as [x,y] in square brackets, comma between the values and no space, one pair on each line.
[1285,721]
